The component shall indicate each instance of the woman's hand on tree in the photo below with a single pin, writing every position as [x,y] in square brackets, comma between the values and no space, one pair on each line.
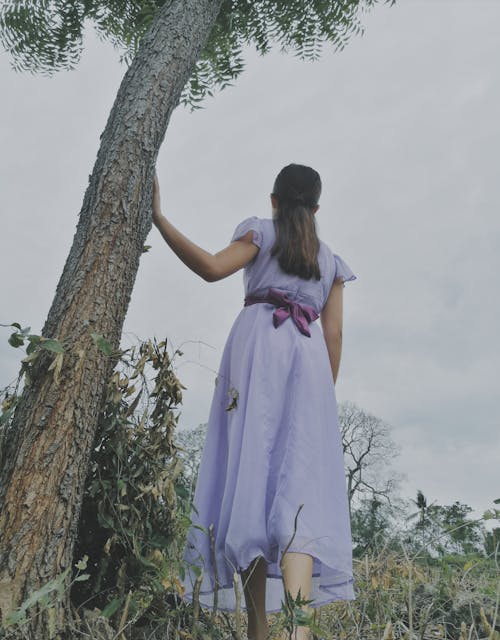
[156,201]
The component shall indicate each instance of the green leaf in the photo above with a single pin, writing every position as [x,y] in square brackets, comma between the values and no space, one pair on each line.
[112,607]
[51,344]
[103,344]
[82,577]
[16,340]
[199,526]
[16,617]
[182,572]
[196,570]
[53,585]
[34,341]
[302,618]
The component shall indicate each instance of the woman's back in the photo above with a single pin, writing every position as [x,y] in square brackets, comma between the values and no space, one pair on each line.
[264,270]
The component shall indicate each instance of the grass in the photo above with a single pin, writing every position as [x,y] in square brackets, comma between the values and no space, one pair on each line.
[399,596]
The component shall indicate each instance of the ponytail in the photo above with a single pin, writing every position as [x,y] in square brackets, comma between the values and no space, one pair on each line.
[297,189]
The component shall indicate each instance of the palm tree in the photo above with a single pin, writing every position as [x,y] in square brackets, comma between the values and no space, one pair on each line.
[422,513]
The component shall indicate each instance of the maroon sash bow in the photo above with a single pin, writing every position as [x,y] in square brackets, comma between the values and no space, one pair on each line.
[302,314]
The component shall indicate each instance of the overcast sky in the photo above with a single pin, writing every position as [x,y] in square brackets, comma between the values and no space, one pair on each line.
[403,127]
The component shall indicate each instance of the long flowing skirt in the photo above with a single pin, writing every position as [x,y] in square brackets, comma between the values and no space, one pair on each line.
[272,444]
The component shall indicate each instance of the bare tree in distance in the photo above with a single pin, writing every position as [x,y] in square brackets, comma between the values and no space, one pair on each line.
[368,452]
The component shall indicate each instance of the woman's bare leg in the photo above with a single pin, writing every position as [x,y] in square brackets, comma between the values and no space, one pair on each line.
[254,587]
[297,573]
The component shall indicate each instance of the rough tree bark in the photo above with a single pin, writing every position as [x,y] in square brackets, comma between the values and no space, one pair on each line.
[49,444]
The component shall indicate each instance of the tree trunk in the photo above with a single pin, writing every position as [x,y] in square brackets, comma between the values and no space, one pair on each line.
[48,446]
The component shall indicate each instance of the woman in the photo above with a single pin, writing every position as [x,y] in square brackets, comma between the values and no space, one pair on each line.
[271,503]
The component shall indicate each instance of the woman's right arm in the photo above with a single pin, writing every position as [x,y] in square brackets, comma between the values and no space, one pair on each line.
[211,267]
[331,322]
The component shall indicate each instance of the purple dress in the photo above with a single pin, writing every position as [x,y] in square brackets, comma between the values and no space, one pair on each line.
[273,443]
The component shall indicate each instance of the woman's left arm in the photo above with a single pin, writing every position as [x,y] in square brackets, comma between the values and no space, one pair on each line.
[211,267]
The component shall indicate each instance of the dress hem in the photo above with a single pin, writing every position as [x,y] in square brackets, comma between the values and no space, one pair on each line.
[349,596]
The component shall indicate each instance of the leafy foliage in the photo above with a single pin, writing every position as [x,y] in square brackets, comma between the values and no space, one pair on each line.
[37,345]
[129,525]
[135,512]
[45,596]
[371,524]
[462,534]
[444,529]
[48,36]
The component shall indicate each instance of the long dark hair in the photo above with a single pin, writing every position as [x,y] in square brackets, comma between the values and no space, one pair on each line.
[297,189]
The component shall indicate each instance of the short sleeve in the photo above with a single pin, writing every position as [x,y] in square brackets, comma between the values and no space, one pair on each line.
[342,270]
[253,223]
